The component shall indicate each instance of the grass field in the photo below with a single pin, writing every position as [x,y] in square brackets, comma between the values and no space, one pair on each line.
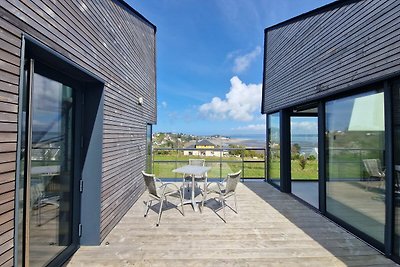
[164,164]
[310,172]
[252,168]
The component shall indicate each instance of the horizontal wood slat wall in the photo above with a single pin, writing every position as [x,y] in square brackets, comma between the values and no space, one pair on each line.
[10,44]
[115,43]
[350,44]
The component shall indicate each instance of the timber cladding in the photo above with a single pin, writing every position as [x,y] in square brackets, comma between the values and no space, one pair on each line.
[334,48]
[110,40]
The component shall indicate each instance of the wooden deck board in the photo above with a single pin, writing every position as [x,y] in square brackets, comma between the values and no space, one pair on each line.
[271,229]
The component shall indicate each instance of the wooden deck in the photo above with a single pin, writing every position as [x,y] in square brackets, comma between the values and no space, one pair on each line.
[271,229]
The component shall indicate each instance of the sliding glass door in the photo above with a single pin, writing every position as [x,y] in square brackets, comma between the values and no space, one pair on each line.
[274,149]
[355,162]
[47,175]
[396,152]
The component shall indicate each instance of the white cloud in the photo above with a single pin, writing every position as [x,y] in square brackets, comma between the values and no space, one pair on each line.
[164,104]
[304,127]
[241,63]
[240,102]
[253,127]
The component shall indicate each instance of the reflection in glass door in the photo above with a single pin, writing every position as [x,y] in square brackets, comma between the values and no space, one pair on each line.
[396,152]
[355,162]
[51,169]
[48,178]
[274,148]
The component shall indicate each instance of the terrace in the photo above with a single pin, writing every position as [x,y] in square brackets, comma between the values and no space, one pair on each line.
[271,228]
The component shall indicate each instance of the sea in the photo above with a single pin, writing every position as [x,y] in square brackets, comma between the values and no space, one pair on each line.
[307,142]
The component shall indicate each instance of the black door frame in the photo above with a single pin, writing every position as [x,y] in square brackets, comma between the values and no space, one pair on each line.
[293,113]
[77,111]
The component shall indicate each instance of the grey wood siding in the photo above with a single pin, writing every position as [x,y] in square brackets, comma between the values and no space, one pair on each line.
[9,77]
[347,44]
[113,42]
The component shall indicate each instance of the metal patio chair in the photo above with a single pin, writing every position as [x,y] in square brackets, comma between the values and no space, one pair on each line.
[160,193]
[224,189]
[374,169]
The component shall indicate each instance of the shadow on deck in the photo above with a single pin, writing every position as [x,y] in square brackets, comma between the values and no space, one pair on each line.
[271,229]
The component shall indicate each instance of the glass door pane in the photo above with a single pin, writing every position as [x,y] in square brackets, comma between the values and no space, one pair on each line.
[396,151]
[304,158]
[274,149]
[51,170]
[355,141]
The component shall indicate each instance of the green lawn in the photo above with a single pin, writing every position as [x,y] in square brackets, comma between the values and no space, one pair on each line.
[310,171]
[163,168]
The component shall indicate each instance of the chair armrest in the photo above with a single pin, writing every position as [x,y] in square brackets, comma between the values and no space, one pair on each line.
[219,185]
[164,186]
[158,181]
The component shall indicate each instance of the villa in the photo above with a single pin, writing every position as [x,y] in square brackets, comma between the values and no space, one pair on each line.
[203,148]
[338,67]
[78,101]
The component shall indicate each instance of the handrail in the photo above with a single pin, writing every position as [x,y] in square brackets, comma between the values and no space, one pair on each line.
[224,158]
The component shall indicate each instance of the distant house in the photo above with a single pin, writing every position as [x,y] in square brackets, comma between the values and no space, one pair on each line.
[202,148]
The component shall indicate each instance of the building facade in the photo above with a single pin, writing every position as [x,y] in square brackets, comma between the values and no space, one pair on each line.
[333,75]
[77,101]
[203,148]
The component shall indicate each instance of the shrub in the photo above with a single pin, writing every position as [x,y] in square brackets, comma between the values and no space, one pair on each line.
[302,162]
[311,157]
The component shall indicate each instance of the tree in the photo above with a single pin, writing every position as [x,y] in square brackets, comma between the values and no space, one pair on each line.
[295,151]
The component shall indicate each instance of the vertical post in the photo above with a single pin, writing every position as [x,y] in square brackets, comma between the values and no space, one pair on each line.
[176,164]
[153,150]
[267,150]
[27,166]
[286,182]
[265,165]
[389,181]
[321,158]
[220,165]
[18,249]
[242,156]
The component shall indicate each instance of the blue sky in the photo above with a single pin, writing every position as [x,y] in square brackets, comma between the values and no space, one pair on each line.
[209,61]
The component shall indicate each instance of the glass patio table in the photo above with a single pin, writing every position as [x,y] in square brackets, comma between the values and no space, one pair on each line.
[194,171]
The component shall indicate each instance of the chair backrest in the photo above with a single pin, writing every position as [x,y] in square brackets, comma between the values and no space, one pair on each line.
[150,182]
[197,162]
[373,167]
[231,182]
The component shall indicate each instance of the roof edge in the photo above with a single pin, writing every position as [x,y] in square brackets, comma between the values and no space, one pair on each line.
[337,3]
[130,8]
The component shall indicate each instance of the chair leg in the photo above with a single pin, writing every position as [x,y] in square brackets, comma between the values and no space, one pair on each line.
[204,195]
[223,207]
[236,208]
[39,212]
[147,207]
[180,195]
[160,211]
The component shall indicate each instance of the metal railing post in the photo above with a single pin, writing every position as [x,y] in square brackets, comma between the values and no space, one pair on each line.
[152,160]
[220,165]
[242,155]
[176,164]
